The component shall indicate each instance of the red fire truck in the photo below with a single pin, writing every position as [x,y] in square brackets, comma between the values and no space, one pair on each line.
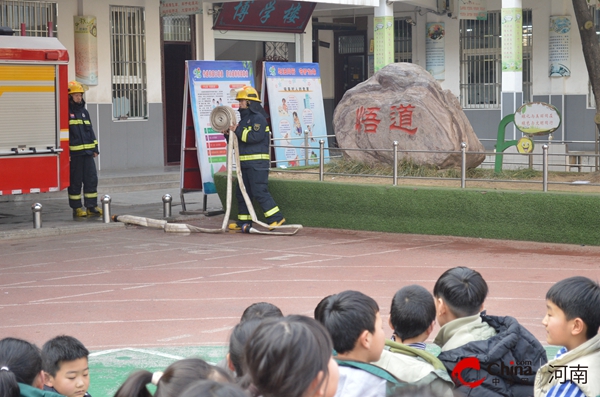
[34,111]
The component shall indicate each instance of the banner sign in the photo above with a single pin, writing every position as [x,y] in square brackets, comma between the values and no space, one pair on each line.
[265,16]
[559,41]
[86,49]
[435,50]
[211,84]
[384,41]
[472,9]
[512,40]
[180,7]
[537,118]
[295,106]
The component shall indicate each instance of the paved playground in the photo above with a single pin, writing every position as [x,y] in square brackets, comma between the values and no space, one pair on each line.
[141,298]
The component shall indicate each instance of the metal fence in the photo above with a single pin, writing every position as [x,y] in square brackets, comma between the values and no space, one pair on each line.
[544,162]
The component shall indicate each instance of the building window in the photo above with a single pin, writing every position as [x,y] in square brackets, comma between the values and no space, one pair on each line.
[177,28]
[128,62]
[481,61]
[402,40]
[39,17]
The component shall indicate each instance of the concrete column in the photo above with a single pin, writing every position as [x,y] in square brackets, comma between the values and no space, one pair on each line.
[383,23]
[205,39]
[512,59]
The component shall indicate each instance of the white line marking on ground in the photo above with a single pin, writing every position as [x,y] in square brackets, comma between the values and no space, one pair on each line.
[138,286]
[155,353]
[241,271]
[72,296]
[156,320]
[174,338]
[285,257]
[103,352]
[77,275]
[212,331]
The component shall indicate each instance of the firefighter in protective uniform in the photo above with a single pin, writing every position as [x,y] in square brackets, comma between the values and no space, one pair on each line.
[83,148]
[254,136]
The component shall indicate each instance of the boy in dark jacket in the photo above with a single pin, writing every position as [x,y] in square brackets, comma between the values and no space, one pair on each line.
[486,355]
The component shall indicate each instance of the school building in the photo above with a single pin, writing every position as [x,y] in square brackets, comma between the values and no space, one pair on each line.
[133,58]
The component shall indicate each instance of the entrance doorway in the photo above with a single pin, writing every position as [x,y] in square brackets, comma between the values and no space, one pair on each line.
[177,48]
[350,61]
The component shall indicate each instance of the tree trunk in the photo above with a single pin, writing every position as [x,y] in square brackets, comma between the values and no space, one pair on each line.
[591,54]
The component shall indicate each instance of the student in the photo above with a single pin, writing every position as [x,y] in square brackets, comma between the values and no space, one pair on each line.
[412,317]
[291,357]
[21,369]
[354,323]
[177,377]
[260,310]
[494,346]
[239,336]
[572,320]
[211,388]
[65,366]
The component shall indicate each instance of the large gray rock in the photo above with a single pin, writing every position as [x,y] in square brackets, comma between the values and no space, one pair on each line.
[403,102]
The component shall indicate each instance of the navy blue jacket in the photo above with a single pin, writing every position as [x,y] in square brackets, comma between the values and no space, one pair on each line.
[508,361]
[82,140]
[254,135]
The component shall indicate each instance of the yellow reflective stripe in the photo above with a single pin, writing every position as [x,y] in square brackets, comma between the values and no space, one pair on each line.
[86,122]
[244,217]
[87,146]
[74,196]
[268,129]
[75,122]
[245,133]
[90,195]
[272,211]
[247,157]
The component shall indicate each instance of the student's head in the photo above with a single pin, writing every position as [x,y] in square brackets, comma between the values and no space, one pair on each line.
[573,314]
[20,361]
[172,382]
[412,312]
[65,365]
[353,321]
[239,336]
[291,356]
[261,310]
[211,388]
[459,292]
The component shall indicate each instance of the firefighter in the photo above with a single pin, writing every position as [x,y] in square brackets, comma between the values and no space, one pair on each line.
[254,137]
[83,148]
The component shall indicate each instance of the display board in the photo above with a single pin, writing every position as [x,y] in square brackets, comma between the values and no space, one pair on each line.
[295,103]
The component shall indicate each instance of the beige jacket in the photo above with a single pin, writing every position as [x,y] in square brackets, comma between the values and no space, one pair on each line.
[416,366]
[585,355]
[463,330]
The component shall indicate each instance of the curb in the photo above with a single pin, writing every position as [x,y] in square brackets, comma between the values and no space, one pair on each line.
[57,231]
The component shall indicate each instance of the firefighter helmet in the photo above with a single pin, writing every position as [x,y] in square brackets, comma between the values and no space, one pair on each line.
[249,93]
[76,86]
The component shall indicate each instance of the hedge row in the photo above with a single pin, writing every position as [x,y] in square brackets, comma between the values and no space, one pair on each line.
[511,215]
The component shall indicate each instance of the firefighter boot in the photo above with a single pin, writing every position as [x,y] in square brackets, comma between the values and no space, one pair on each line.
[273,225]
[94,211]
[79,212]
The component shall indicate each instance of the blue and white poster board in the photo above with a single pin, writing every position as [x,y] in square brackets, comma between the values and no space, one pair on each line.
[211,84]
[295,105]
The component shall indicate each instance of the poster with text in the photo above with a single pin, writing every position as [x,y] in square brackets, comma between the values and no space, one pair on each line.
[472,9]
[214,83]
[512,40]
[435,50]
[296,106]
[560,43]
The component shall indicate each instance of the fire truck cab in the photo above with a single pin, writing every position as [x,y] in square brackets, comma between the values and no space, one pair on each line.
[34,124]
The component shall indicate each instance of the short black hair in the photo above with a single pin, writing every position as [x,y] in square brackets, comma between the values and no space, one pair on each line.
[578,297]
[261,310]
[347,315]
[61,349]
[239,336]
[211,388]
[412,312]
[463,290]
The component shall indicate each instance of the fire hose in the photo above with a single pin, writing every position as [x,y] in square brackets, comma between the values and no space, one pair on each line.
[221,119]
